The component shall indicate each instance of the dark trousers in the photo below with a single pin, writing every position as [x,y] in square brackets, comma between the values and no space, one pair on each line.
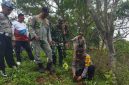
[60,54]
[26,46]
[6,51]
[54,56]
[64,50]
[90,72]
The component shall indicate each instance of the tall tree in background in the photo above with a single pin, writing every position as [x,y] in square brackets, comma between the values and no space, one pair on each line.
[103,13]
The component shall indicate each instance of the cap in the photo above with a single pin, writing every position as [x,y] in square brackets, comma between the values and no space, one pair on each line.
[45,9]
[8,4]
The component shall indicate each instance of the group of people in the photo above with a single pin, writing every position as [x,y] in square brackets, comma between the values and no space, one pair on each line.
[43,37]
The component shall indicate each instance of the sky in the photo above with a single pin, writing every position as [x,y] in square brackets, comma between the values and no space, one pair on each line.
[0,5]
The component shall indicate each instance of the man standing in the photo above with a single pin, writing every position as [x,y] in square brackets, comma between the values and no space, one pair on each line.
[6,49]
[21,38]
[59,36]
[41,31]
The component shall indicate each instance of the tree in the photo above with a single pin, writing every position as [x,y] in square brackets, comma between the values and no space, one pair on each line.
[103,13]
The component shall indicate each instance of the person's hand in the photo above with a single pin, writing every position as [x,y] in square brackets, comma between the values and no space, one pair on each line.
[79,78]
[51,42]
[74,75]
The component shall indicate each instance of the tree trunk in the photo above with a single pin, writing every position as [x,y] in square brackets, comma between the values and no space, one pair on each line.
[111,52]
[112,59]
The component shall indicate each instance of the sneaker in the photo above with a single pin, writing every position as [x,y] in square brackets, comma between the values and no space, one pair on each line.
[18,63]
[3,73]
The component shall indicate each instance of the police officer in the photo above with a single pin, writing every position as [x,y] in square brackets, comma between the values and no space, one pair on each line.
[6,49]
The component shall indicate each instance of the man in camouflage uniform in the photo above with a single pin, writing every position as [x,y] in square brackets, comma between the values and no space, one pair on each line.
[6,49]
[42,39]
[59,36]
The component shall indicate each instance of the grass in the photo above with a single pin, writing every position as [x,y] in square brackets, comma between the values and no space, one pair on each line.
[26,74]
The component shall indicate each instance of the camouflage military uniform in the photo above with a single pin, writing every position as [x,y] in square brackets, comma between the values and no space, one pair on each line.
[5,24]
[6,49]
[41,29]
[59,38]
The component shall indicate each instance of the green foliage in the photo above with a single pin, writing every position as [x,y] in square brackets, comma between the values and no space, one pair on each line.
[123,9]
[122,74]
[122,70]
[110,78]
[122,46]
[100,60]
[30,6]
[27,75]
[122,50]
[92,39]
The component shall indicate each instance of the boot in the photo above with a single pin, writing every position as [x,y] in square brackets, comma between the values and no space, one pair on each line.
[50,67]
[41,68]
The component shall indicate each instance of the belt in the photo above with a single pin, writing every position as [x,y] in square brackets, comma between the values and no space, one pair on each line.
[5,33]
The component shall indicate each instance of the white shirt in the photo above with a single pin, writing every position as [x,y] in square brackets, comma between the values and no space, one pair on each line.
[19,26]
